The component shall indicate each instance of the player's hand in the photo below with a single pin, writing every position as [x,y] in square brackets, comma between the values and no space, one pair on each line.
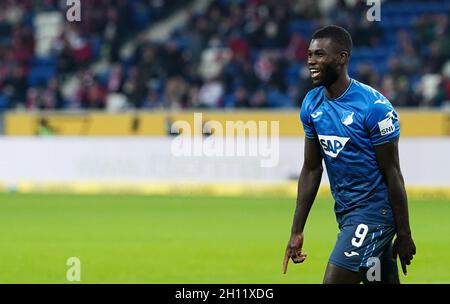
[294,251]
[405,248]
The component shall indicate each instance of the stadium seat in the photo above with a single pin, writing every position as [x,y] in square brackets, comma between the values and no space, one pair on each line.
[4,102]
[40,75]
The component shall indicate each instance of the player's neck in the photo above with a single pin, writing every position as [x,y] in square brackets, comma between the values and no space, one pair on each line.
[338,87]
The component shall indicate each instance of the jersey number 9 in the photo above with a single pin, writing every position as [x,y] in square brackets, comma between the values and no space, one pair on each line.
[360,235]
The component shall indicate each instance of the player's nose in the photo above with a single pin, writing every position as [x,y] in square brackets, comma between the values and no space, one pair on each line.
[312,63]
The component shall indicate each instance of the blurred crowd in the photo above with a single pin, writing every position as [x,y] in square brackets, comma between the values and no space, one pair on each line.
[233,54]
[32,81]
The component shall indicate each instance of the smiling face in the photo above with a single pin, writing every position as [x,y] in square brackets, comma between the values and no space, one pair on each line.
[325,63]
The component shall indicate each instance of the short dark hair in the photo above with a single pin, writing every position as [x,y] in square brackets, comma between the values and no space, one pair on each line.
[338,35]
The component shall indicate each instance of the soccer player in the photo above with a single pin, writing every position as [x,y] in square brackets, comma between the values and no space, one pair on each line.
[355,130]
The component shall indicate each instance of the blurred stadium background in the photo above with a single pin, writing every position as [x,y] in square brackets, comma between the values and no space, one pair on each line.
[86,115]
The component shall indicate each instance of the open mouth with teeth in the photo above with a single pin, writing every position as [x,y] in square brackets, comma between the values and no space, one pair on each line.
[315,73]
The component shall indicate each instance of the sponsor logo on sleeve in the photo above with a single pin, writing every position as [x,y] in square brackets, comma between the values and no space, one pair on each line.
[387,126]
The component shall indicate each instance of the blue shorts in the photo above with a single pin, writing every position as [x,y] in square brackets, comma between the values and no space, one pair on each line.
[358,242]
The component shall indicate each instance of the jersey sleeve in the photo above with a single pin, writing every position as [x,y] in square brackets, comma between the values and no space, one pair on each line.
[382,122]
[305,117]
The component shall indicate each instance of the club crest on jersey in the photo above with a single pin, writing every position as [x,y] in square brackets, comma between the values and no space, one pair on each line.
[347,117]
[332,145]
[387,126]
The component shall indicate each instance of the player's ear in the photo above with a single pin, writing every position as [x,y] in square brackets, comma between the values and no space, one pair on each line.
[343,57]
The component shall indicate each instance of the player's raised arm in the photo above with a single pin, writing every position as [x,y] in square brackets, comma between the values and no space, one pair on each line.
[388,160]
[308,184]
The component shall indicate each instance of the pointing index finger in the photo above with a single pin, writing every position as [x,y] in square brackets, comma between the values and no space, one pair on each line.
[285,262]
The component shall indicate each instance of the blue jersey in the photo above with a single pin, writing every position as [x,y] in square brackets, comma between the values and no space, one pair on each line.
[347,129]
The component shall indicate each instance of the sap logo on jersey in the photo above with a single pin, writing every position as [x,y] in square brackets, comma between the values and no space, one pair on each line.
[332,145]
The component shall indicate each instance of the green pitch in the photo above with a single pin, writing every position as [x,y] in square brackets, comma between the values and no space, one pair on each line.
[139,239]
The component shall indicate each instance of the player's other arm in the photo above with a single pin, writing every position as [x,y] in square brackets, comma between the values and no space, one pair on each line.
[308,184]
[388,160]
